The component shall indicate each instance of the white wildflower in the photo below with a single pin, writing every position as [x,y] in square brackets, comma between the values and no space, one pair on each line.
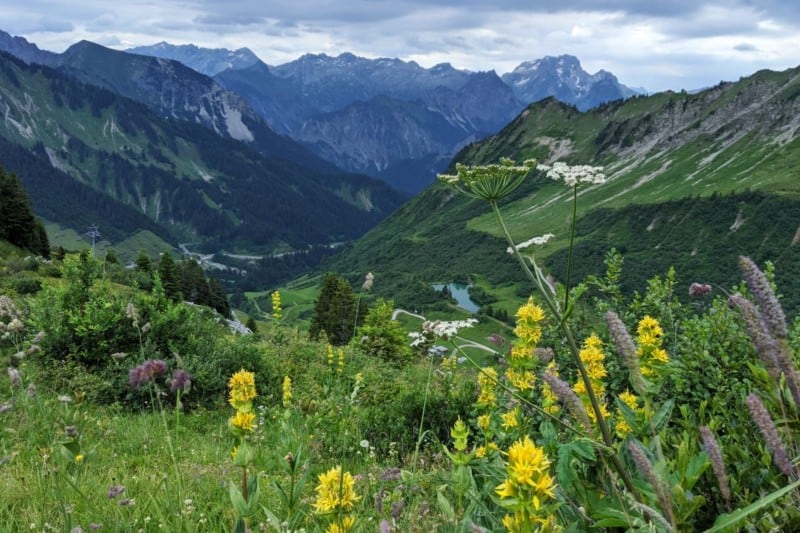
[537,241]
[573,175]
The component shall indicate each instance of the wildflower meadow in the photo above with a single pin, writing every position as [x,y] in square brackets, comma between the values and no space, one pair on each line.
[674,409]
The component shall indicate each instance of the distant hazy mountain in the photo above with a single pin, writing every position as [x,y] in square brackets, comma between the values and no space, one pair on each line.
[82,149]
[389,118]
[372,115]
[28,52]
[563,78]
[208,61]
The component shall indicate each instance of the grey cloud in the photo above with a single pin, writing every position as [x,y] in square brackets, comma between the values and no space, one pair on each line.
[746,47]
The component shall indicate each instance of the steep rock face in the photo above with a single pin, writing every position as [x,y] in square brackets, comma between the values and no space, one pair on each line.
[173,90]
[369,136]
[563,78]
[377,116]
[208,61]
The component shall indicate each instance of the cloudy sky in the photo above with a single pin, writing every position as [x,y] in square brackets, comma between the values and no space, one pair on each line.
[657,44]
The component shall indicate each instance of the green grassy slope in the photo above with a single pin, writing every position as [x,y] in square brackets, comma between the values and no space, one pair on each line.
[700,155]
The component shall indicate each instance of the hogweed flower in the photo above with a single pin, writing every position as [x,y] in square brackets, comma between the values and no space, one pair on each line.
[488,182]
[712,449]
[573,175]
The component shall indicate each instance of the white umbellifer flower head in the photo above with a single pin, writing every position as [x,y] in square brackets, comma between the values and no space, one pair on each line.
[537,241]
[573,175]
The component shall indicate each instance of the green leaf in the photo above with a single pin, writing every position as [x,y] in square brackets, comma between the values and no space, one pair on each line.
[662,416]
[237,500]
[726,522]
[445,506]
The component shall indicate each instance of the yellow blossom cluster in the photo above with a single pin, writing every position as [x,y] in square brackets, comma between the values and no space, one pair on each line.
[242,387]
[520,379]
[593,358]
[549,399]
[528,331]
[528,486]
[277,310]
[330,356]
[335,491]
[649,337]
[286,398]
[487,382]
[346,524]
[632,401]
[510,419]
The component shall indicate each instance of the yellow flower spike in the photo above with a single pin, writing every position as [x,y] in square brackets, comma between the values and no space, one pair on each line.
[276,305]
[287,391]
[336,491]
[243,421]
[487,382]
[79,458]
[484,421]
[528,484]
[242,387]
[510,418]
[330,356]
[347,525]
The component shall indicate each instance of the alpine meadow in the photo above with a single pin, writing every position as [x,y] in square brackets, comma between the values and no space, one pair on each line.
[343,294]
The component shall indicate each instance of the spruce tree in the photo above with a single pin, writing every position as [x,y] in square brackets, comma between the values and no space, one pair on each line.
[334,311]
[18,225]
[169,277]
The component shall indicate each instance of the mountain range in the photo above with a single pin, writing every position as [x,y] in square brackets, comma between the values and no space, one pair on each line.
[393,119]
[693,181]
[185,170]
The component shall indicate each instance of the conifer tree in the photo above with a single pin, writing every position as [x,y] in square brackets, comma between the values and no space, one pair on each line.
[169,277]
[18,225]
[334,311]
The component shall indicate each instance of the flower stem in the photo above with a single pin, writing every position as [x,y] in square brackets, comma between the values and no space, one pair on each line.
[538,279]
[571,244]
